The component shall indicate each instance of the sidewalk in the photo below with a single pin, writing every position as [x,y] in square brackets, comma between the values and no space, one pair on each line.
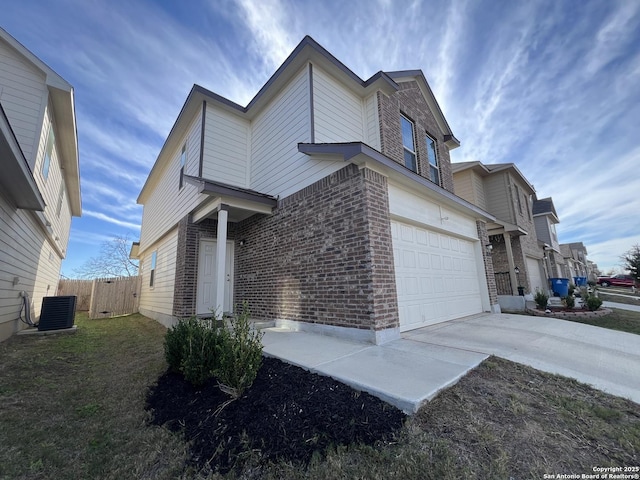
[622,306]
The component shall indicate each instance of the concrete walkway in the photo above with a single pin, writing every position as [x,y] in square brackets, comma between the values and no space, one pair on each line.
[412,370]
[622,306]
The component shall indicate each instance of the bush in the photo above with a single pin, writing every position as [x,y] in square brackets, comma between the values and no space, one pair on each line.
[541,299]
[572,288]
[190,348]
[569,301]
[593,303]
[239,355]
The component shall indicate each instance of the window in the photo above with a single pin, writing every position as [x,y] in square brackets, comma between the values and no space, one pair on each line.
[432,154]
[154,258]
[518,198]
[46,163]
[183,157]
[408,145]
[528,202]
[60,199]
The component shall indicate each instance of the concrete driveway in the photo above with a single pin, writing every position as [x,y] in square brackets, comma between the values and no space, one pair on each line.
[606,359]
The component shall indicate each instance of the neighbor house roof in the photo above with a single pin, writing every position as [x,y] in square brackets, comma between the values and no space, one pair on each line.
[544,206]
[62,99]
[308,50]
[485,169]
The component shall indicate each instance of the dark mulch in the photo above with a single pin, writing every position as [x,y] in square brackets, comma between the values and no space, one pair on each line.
[287,414]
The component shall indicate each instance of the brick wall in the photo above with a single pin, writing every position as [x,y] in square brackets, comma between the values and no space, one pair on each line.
[487,258]
[324,255]
[410,102]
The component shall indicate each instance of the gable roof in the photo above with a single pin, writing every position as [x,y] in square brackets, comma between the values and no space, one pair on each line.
[544,206]
[308,50]
[62,98]
[485,169]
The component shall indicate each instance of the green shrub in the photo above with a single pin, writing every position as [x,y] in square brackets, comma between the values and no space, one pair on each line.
[541,299]
[593,303]
[239,354]
[572,288]
[190,348]
[174,343]
[569,301]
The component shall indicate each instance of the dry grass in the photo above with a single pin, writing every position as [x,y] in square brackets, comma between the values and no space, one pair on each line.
[73,407]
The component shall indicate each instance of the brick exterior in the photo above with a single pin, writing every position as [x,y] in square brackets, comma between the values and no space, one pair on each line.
[488,262]
[186,282]
[409,101]
[324,255]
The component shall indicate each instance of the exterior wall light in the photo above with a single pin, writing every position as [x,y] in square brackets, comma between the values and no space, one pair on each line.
[517,270]
[489,247]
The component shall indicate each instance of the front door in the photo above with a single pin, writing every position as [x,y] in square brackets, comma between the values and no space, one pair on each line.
[206,294]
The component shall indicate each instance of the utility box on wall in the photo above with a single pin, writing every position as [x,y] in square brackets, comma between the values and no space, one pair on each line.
[57,312]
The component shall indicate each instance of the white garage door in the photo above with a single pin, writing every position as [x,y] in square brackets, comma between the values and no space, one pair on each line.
[535,277]
[436,276]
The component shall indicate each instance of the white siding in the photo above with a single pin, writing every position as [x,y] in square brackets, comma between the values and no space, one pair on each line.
[338,113]
[23,95]
[167,204]
[50,187]
[26,254]
[225,147]
[159,298]
[372,123]
[277,167]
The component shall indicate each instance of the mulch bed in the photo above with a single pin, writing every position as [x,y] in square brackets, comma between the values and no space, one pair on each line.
[287,414]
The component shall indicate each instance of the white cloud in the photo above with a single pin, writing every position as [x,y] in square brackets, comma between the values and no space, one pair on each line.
[106,218]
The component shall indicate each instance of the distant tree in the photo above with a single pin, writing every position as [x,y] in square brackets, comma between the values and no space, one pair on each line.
[113,261]
[631,261]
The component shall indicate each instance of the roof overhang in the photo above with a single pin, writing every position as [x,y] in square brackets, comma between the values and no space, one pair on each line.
[484,170]
[135,251]
[241,203]
[499,227]
[17,179]
[363,155]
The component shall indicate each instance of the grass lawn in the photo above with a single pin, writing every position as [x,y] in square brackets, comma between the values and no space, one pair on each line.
[622,320]
[73,406]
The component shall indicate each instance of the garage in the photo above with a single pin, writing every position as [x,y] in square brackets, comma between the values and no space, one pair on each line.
[535,277]
[437,275]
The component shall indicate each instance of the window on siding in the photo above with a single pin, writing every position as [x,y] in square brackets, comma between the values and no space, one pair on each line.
[60,199]
[408,144]
[154,258]
[528,202]
[432,154]
[46,163]
[183,158]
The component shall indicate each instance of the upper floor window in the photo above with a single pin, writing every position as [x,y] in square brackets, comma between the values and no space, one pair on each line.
[432,154]
[154,258]
[46,163]
[408,145]
[60,199]
[518,198]
[183,158]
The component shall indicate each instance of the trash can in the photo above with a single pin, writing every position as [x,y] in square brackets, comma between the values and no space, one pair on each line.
[580,281]
[560,286]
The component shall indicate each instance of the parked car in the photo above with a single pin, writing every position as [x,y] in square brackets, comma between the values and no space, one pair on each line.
[617,281]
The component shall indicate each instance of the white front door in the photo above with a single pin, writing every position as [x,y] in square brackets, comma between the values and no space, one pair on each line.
[206,294]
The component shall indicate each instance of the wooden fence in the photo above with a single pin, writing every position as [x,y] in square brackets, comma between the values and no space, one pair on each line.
[104,297]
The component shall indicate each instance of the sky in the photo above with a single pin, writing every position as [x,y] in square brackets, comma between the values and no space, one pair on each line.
[552,86]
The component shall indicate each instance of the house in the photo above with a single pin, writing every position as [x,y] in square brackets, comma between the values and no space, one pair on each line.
[326,203]
[575,259]
[502,190]
[545,219]
[39,183]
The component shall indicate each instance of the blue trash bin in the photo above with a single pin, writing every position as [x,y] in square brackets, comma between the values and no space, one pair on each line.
[580,281]
[560,286]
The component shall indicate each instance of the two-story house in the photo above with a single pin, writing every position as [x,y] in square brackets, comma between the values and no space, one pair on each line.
[575,260]
[39,180]
[545,219]
[326,203]
[502,190]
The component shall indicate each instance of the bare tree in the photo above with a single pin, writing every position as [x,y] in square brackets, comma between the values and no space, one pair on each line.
[113,261]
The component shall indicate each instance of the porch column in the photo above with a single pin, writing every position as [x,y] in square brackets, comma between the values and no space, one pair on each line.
[512,265]
[221,258]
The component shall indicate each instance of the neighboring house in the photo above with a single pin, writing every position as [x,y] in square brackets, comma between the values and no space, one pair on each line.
[502,190]
[326,203]
[39,180]
[575,258]
[545,219]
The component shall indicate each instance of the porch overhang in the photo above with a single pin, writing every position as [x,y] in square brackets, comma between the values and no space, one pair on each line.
[364,156]
[499,227]
[241,203]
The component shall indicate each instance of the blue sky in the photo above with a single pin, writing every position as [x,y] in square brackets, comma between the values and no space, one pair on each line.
[552,86]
